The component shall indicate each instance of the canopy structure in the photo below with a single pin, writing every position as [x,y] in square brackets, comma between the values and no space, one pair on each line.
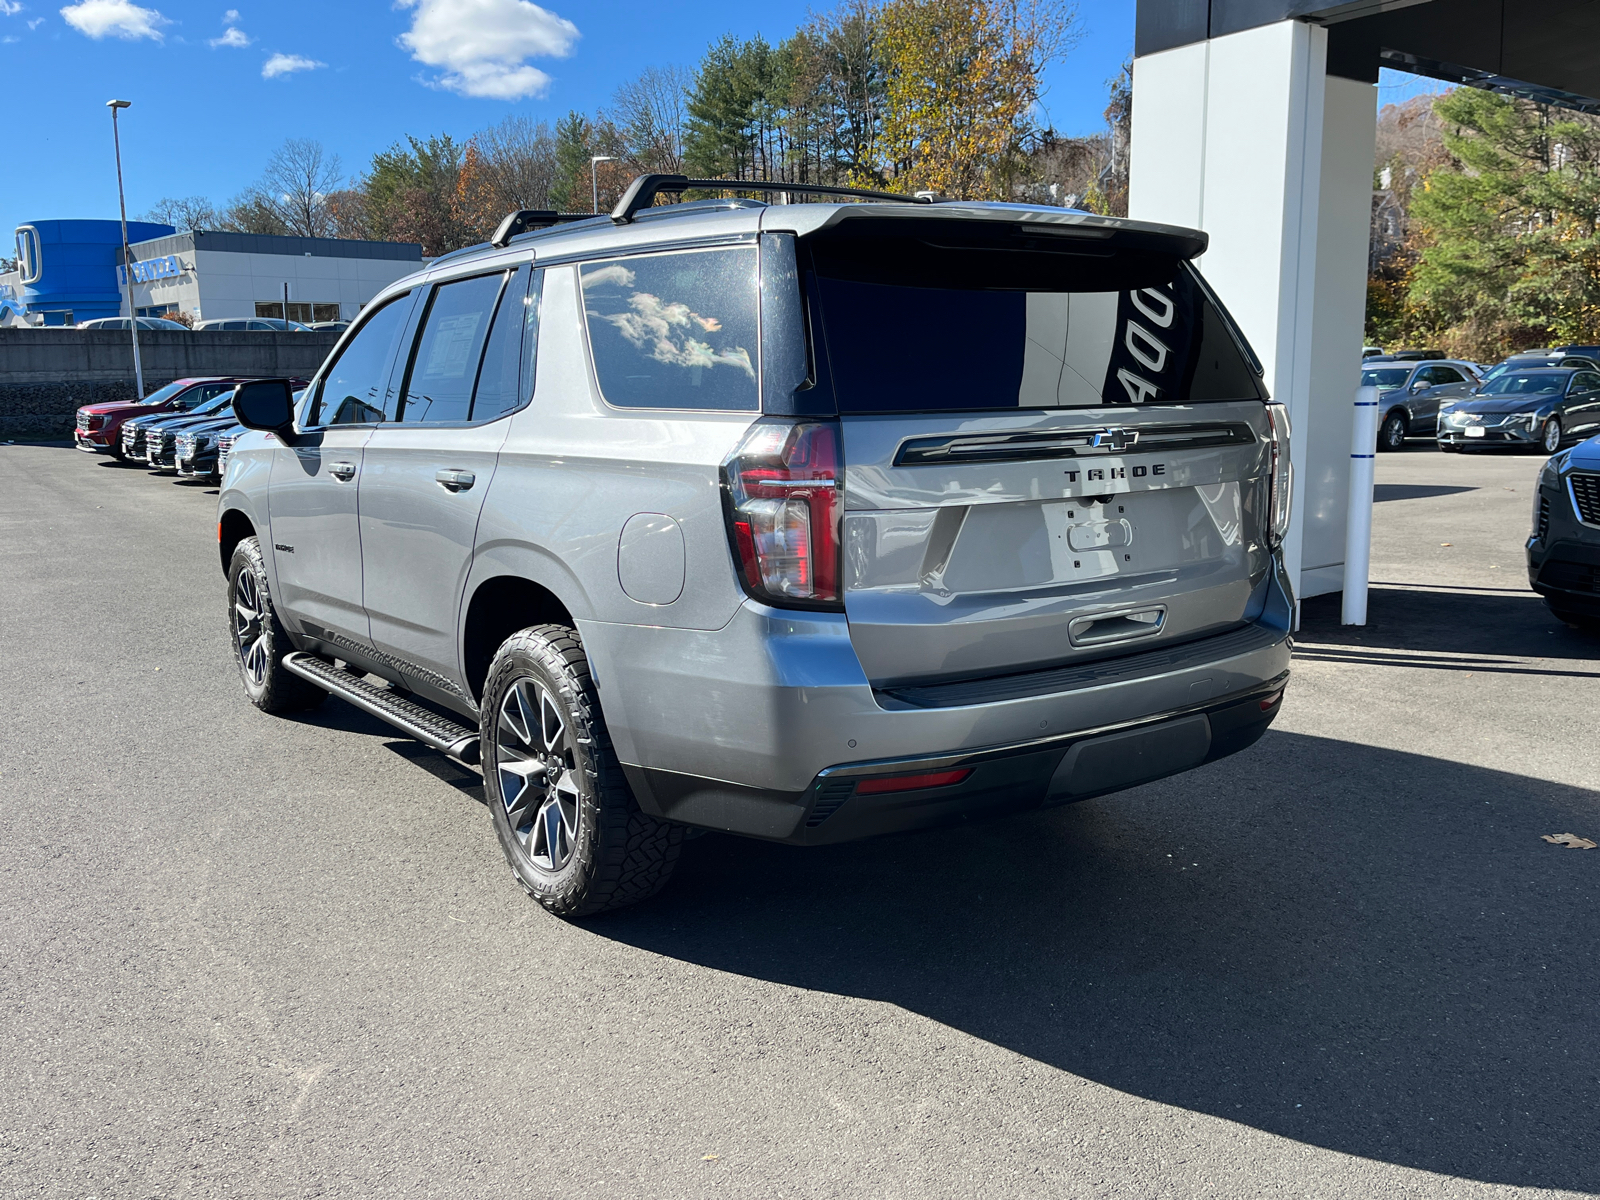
[1255,120]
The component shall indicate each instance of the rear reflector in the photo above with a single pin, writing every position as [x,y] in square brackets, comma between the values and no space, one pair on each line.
[1269,701]
[910,783]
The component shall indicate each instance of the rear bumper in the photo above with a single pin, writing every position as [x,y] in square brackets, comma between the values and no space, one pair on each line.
[744,728]
[1002,780]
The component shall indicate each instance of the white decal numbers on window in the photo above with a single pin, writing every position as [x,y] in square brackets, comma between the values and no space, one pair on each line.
[1139,390]
[1160,316]
[1150,350]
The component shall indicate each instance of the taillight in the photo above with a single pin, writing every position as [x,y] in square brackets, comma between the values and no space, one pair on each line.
[1280,480]
[784,495]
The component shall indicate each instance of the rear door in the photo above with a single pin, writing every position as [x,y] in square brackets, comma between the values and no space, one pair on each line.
[1049,458]
[426,472]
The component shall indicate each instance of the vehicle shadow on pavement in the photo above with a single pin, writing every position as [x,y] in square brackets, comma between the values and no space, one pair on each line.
[1478,630]
[1360,949]
[1414,491]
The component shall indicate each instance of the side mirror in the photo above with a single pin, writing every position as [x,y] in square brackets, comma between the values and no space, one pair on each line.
[266,404]
[1420,385]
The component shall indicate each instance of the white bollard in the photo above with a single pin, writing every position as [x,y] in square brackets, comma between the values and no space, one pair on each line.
[1358,523]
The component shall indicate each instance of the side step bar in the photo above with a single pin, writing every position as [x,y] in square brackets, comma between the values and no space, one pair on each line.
[429,728]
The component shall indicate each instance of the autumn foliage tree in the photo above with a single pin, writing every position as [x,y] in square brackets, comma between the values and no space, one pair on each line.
[963,78]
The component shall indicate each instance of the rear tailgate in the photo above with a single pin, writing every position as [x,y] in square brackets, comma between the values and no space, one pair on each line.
[959,562]
[1056,444]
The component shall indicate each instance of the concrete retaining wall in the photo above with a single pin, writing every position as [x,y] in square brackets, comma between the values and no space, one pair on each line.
[46,375]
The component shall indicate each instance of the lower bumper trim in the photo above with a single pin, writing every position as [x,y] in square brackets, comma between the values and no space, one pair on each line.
[1004,779]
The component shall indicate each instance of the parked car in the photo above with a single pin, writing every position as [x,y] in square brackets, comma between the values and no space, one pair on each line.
[253,325]
[1410,395]
[201,452]
[1538,409]
[194,451]
[122,324]
[1541,358]
[1410,355]
[1370,352]
[159,448]
[328,326]
[99,426]
[225,441]
[1564,544]
[686,529]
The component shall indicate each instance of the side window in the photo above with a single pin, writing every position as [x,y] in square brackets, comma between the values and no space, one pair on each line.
[1446,375]
[449,350]
[502,382]
[1585,381]
[675,330]
[351,392]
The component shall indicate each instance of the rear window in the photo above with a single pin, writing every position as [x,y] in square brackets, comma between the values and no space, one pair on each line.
[935,320]
[675,330]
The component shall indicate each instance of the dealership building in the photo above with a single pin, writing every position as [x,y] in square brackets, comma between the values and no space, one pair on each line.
[71,271]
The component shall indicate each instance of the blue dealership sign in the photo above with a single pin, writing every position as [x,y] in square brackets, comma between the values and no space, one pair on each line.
[152,269]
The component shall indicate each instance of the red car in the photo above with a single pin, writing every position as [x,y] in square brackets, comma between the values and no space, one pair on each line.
[100,425]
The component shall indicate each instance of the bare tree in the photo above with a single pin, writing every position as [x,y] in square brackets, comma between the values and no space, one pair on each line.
[518,163]
[298,180]
[650,113]
[190,212]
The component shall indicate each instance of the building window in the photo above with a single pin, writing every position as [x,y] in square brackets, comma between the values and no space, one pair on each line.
[298,311]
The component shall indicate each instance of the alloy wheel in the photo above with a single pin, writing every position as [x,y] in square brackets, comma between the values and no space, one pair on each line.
[249,629]
[1552,435]
[537,770]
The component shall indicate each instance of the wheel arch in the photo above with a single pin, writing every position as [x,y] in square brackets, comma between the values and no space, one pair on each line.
[233,526]
[497,607]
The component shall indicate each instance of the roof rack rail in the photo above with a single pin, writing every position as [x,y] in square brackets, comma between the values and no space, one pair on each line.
[526,219]
[644,189]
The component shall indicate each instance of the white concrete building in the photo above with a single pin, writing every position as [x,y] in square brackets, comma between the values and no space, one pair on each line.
[209,275]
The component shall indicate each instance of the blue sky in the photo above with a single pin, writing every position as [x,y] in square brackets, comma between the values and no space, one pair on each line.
[357,75]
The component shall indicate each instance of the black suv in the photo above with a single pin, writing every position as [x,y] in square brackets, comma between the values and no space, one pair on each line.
[1564,550]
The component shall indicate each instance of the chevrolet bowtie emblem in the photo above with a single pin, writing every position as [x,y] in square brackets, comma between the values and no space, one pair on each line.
[1116,440]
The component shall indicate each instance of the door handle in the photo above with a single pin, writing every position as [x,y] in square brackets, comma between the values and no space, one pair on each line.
[342,470]
[455,481]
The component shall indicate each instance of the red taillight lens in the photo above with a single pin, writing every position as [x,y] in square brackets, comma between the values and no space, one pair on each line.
[910,783]
[784,486]
[1280,483]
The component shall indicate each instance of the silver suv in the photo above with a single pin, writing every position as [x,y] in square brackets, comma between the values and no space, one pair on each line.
[807,522]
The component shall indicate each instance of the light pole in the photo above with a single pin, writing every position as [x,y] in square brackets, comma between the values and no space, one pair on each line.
[594,179]
[127,258]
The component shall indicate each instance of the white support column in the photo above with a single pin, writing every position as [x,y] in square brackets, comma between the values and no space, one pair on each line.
[1246,137]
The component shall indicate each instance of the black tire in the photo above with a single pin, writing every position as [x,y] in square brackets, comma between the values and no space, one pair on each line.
[572,831]
[258,639]
[1550,435]
[1392,433]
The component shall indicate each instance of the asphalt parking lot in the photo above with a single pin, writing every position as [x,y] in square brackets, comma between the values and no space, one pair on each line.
[259,957]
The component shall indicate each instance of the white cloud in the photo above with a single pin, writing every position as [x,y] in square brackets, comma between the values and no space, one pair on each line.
[287,64]
[668,332]
[482,45]
[9,8]
[114,18]
[232,37]
[35,23]
[231,17]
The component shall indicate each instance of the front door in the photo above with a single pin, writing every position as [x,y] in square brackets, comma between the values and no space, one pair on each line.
[316,535]
[316,544]
[426,473]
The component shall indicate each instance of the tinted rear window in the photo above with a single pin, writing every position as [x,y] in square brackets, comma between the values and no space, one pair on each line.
[925,323]
[675,330]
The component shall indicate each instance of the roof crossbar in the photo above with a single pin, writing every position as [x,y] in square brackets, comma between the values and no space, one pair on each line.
[525,220]
[644,189]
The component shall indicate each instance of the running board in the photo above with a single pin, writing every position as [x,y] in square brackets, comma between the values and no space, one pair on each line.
[429,728]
